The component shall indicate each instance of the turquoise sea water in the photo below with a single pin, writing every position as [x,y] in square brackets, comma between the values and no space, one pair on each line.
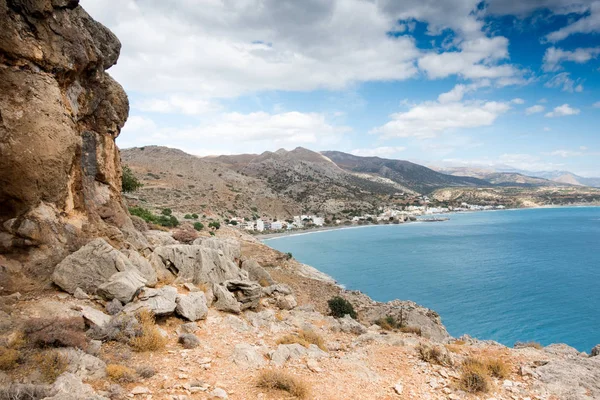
[522,275]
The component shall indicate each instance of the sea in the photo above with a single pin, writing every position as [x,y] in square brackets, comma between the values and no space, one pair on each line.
[509,276]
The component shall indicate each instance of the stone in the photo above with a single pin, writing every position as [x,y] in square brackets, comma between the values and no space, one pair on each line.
[189,327]
[94,347]
[350,325]
[218,393]
[226,301]
[247,293]
[159,238]
[246,356]
[114,307]
[196,264]
[287,302]
[257,273]
[80,294]
[83,365]
[90,266]
[189,340]
[140,390]
[96,317]
[230,247]
[285,352]
[142,265]
[192,306]
[69,386]
[398,388]
[313,365]
[279,288]
[595,351]
[237,324]
[159,301]
[122,286]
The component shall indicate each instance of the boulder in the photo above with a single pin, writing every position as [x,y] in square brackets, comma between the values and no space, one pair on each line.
[90,266]
[95,317]
[114,307]
[279,288]
[196,264]
[595,351]
[189,340]
[159,301]
[350,325]
[69,386]
[159,238]
[287,302]
[142,265]
[230,247]
[246,356]
[83,365]
[257,273]
[225,300]
[80,294]
[122,286]
[192,306]
[285,352]
[246,292]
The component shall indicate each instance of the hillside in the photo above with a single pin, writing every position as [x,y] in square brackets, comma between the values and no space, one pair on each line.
[413,176]
[500,178]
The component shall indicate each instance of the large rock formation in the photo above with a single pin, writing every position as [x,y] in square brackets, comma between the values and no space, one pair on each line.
[60,113]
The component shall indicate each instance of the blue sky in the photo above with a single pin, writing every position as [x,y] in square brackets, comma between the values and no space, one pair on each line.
[458,82]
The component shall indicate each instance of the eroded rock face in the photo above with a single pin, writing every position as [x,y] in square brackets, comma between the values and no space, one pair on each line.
[60,113]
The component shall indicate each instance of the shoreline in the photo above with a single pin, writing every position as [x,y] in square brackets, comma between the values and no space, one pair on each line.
[276,235]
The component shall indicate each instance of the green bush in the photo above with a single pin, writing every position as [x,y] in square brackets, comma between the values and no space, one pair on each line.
[339,307]
[215,224]
[211,233]
[198,226]
[129,183]
[166,211]
[187,216]
[195,216]
[146,215]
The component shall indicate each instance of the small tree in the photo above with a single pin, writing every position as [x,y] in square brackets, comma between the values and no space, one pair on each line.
[129,183]
[339,307]
[195,216]
[215,225]
[187,216]
[198,226]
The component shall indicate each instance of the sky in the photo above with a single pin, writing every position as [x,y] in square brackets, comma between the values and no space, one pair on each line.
[448,83]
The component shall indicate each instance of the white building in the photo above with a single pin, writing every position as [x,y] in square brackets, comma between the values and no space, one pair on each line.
[318,221]
[260,225]
[276,225]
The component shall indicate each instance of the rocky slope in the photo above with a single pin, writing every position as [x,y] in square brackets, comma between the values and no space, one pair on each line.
[60,113]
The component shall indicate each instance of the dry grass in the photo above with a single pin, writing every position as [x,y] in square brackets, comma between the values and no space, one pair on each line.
[51,364]
[498,368]
[264,283]
[535,345]
[411,329]
[474,376]
[279,316]
[150,338]
[280,380]
[304,338]
[52,332]
[9,358]
[120,373]
[434,355]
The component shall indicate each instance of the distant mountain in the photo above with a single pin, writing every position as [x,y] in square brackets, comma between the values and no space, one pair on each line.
[500,178]
[567,177]
[413,176]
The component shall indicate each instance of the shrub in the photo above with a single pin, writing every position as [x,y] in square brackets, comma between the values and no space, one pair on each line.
[121,328]
[215,225]
[288,256]
[51,364]
[388,323]
[211,233]
[434,355]
[187,216]
[129,183]
[120,373]
[304,338]
[195,216]
[189,340]
[411,329]
[339,307]
[166,211]
[198,226]
[145,371]
[264,282]
[474,377]
[53,332]
[149,338]
[498,368]
[8,358]
[275,379]
[186,236]
[25,391]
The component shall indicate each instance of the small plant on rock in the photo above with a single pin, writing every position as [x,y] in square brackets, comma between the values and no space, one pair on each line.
[56,332]
[305,338]
[120,373]
[339,307]
[149,337]
[129,183]
[474,377]
[51,364]
[434,355]
[9,358]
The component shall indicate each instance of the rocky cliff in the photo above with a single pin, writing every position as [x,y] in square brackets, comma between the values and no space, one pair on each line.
[60,113]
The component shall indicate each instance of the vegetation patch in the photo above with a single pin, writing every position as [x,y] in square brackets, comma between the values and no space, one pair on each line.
[434,355]
[149,338]
[166,220]
[305,338]
[474,377]
[120,373]
[9,358]
[51,364]
[56,332]
[129,183]
[339,307]
[534,345]
[280,380]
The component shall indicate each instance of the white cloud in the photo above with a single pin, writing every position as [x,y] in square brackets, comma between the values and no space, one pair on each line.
[527,162]
[517,101]
[177,104]
[563,111]
[582,152]
[547,129]
[385,151]
[565,83]
[430,119]
[596,104]
[555,56]
[225,49]
[587,24]
[242,133]
[534,109]
[458,91]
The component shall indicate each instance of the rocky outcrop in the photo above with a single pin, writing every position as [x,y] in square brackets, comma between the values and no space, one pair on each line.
[229,246]
[158,301]
[257,273]
[195,263]
[192,306]
[60,113]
